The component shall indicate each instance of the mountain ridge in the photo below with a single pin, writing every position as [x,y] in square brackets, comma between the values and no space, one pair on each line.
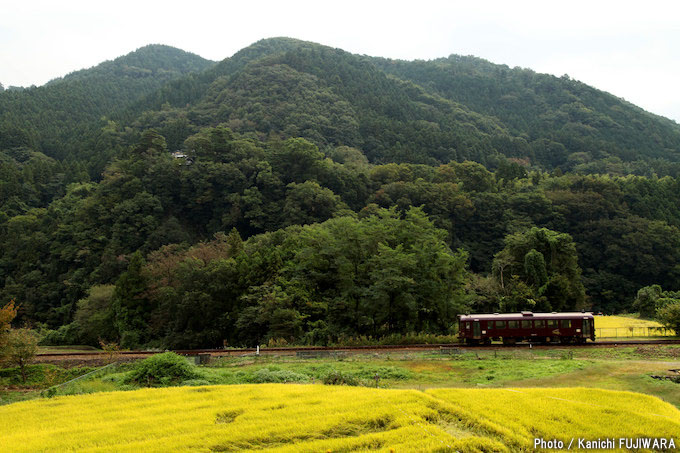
[452,108]
[56,116]
[550,121]
[136,56]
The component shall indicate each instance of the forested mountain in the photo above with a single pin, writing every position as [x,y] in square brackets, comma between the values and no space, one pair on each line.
[57,118]
[547,112]
[455,108]
[59,133]
[290,88]
[420,112]
[301,192]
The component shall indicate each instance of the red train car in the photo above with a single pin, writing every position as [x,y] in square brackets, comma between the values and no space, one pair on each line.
[511,328]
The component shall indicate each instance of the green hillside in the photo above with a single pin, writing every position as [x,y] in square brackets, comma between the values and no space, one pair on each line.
[319,195]
[547,111]
[57,117]
[455,108]
[458,108]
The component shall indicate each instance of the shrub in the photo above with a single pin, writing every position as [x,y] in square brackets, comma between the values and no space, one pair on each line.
[385,372]
[339,378]
[161,370]
[669,316]
[64,335]
[195,382]
[21,346]
[266,375]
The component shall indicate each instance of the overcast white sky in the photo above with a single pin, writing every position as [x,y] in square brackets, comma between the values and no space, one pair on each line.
[630,49]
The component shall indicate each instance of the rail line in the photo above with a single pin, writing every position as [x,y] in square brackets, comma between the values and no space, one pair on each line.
[84,355]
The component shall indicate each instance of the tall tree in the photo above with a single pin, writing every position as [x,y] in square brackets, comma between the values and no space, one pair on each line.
[130,305]
[7,314]
[20,349]
[545,262]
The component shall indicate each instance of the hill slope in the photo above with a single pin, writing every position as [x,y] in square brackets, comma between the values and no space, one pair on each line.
[455,108]
[541,106]
[431,112]
[54,118]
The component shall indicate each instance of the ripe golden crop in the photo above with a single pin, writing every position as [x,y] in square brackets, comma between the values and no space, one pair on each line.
[606,322]
[313,418]
[518,416]
[624,326]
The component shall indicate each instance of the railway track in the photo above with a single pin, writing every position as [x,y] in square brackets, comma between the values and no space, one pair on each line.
[93,355]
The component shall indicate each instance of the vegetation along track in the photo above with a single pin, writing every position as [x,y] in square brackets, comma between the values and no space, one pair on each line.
[87,355]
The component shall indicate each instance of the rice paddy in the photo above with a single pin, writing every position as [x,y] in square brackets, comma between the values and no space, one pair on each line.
[313,418]
[626,326]
[623,321]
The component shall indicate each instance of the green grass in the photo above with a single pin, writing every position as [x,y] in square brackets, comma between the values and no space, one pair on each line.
[39,375]
[615,375]
[622,368]
[491,372]
[38,378]
[66,349]
[14,396]
[272,371]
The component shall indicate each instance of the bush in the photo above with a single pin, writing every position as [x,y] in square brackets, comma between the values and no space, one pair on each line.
[266,375]
[396,339]
[161,370]
[340,378]
[384,372]
[65,335]
[195,382]
[20,348]
[669,316]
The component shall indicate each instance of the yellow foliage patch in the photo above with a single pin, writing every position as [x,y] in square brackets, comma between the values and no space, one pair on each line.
[313,418]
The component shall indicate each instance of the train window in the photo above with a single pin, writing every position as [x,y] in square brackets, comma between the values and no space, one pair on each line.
[566,323]
[500,324]
[539,324]
[552,323]
[513,324]
[526,324]
[467,325]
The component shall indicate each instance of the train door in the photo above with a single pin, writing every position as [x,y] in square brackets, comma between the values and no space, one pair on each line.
[587,328]
[476,330]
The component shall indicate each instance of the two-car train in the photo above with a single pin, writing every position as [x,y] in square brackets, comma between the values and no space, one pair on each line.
[510,328]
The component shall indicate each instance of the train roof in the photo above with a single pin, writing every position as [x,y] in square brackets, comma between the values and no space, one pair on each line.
[525,315]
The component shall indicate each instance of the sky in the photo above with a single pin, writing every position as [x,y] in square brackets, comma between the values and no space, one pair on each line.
[630,49]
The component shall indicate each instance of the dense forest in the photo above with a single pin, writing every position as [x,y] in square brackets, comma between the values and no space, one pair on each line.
[299,193]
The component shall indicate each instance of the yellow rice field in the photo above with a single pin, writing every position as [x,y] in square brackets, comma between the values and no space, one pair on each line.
[317,418]
[624,326]
[518,416]
[623,321]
